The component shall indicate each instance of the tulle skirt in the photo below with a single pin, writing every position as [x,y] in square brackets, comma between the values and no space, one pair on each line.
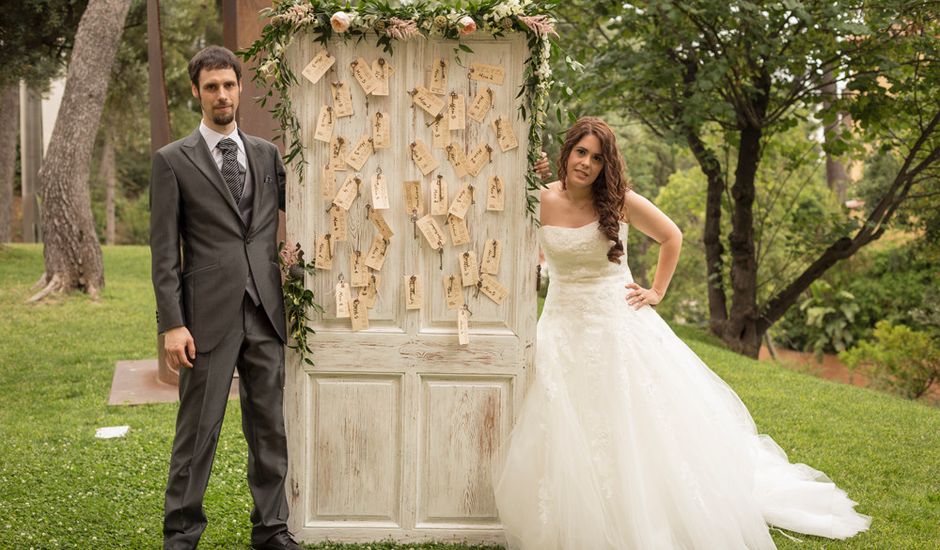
[626,440]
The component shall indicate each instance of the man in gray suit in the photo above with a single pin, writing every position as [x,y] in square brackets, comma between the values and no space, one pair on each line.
[216,194]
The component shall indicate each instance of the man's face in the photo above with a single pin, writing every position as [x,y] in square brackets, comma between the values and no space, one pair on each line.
[218,93]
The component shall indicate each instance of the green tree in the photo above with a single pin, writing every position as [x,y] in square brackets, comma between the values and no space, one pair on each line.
[739,72]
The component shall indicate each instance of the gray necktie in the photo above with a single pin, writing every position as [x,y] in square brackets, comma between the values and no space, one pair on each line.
[230,172]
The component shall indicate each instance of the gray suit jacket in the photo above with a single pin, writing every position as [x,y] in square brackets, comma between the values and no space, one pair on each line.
[202,286]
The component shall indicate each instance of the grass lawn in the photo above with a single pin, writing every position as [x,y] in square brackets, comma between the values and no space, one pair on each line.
[61,487]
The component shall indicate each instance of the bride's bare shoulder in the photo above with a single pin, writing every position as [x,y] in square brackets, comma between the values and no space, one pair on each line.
[551,192]
[551,203]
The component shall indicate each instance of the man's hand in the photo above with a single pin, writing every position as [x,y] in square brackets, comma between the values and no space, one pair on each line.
[180,347]
[542,167]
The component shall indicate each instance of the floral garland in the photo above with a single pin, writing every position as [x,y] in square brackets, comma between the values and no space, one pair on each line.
[297,298]
[377,19]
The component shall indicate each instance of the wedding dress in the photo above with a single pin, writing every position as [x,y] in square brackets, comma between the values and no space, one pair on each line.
[626,440]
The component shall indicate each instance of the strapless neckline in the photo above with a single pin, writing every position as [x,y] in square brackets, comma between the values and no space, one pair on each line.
[589,224]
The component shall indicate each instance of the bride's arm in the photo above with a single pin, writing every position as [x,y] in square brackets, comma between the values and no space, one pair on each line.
[643,215]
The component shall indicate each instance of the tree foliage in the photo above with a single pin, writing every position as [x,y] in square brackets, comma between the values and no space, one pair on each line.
[740,73]
[36,38]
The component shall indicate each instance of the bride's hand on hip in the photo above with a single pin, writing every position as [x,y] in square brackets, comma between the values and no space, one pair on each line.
[639,296]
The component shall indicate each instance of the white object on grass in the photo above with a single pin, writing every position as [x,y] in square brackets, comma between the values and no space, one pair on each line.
[111,432]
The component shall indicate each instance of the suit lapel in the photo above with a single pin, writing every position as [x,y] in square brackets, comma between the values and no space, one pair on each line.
[254,154]
[198,152]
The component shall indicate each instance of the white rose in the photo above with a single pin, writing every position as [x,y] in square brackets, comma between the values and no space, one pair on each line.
[340,21]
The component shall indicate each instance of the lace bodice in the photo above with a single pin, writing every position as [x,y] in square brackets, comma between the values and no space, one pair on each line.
[579,254]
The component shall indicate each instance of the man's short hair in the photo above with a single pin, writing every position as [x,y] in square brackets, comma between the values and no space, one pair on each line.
[213,58]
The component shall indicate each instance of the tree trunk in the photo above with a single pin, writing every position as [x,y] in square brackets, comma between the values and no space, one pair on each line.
[10,115]
[72,251]
[837,177]
[711,236]
[740,331]
[107,173]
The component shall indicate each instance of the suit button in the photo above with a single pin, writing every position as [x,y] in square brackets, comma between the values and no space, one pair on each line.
[247,241]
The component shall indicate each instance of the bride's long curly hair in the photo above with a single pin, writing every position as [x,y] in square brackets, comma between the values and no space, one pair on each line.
[611,185]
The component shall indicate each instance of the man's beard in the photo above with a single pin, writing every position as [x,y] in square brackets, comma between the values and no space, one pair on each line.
[223,119]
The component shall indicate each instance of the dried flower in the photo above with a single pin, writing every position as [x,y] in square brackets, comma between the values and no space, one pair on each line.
[297,15]
[340,21]
[466,25]
[506,23]
[379,26]
[290,255]
[401,29]
[542,25]
[440,23]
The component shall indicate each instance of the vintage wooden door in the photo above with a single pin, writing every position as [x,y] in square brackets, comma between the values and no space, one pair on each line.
[396,430]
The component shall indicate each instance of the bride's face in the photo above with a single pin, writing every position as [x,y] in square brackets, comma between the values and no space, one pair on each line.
[585,162]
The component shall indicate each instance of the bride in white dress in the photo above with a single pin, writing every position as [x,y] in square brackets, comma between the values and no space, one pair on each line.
[626,440]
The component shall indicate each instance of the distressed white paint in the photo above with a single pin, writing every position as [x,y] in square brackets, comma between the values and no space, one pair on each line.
[395,431]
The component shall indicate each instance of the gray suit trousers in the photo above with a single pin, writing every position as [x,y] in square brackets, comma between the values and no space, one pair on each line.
[255,349]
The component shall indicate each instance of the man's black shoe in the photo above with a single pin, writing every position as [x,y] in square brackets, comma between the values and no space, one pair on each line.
[280,541]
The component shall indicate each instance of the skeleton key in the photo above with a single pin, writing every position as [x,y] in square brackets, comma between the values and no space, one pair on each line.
[440,254]
[414,222]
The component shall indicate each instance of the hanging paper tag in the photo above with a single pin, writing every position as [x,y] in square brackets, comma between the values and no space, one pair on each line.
[360,153]
[462,202]
[324,124]
[459,232]
[381,131]
[505,135]
[339,224]
[463,326]
[439,196]
[481,104]
[359,315]
[347,192]
[382,70]
[376,257]
[368,295]
[342,99]
[414,292]
[414,201]
[457,158]
[478,158]
[426,100]
[362,71]
[379,220]
[379,192]
[359,274]
[343,297]
[456,111]
[431,231]
[327,182]
[453,292]
[423,157]
[492,253]
[318,66]
[493,289]
[487,73]
[440,132]
[324,256]
[469,272]
[495,194]
[439,77]
[338,153]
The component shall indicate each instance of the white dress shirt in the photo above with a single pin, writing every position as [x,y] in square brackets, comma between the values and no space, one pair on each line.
[212,140]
